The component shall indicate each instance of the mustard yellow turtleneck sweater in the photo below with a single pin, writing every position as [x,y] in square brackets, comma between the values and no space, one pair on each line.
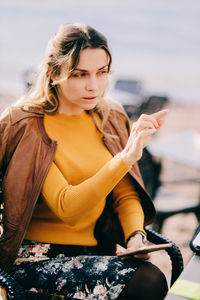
[82,174]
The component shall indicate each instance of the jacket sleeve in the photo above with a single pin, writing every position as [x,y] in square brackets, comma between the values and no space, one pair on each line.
[4,135]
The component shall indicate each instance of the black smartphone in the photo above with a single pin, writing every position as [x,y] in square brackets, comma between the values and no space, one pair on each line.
[195,241]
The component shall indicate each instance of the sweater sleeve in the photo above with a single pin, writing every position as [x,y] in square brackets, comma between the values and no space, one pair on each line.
[128,206]
[69,202]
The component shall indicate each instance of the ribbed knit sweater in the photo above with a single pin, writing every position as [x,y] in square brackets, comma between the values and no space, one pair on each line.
[82,174]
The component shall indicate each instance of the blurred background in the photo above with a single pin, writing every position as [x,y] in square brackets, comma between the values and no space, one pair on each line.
[154,41]
[156,49]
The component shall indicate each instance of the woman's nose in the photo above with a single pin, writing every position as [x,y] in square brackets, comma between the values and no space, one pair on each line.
[92,84]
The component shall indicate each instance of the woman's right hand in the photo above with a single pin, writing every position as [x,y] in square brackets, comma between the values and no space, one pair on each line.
[140,134]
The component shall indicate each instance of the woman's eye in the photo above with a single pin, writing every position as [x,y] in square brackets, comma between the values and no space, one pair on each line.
[79,75]
[103,72]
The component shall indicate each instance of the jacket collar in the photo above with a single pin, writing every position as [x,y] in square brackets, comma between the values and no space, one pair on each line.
[20,112]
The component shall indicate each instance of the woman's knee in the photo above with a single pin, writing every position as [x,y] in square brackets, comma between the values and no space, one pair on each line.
[148,282]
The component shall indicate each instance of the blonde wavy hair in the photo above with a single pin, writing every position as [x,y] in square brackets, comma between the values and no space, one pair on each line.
[64,48]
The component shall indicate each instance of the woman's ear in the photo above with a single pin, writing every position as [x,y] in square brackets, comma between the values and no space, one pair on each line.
[49,72]
[54,78]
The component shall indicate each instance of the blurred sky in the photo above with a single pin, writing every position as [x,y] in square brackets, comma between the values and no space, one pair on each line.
[155,41]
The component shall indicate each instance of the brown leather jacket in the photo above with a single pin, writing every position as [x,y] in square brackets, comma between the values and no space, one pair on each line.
[26,153]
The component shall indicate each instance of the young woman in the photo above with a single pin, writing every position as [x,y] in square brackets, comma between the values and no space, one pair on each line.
[70,181]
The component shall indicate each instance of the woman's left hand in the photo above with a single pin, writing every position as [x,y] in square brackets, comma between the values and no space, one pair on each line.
[140,134]
[133,244]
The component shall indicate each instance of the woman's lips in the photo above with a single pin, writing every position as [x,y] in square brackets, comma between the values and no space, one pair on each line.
[90,98]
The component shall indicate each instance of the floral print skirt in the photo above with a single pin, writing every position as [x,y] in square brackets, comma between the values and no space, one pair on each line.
[73,272]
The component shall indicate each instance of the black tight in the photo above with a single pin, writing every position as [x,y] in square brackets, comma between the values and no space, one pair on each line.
[147,283]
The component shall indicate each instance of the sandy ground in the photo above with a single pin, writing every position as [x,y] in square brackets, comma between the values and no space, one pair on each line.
[179,228]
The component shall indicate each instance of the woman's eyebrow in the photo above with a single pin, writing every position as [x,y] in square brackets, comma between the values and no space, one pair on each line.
[82,70]
[103,67]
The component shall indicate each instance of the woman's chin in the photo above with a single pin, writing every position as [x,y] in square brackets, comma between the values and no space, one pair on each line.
[90,105]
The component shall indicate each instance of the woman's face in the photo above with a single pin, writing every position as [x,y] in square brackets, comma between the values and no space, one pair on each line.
[82,90]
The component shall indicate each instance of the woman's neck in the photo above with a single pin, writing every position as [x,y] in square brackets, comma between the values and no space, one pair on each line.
[69,111]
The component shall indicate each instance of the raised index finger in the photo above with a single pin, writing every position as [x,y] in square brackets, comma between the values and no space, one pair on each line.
[159,114]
